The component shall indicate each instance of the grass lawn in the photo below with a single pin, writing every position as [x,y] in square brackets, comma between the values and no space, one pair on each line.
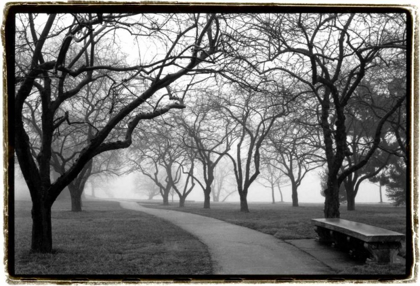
[286,222]
[105,239]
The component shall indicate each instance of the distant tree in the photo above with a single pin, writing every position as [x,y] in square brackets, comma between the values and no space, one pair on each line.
[184,165]
[271,177]
[155,154]
[209,135]
[100,183]
[146,186]
[292,153]
[255,114]
[360,128]
[151,169]
[394,176]
[160,152]
[353,181]
[223,179]
[362,117]
[395,181]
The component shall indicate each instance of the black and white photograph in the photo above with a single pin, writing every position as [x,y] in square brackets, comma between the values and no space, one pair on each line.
[209,143]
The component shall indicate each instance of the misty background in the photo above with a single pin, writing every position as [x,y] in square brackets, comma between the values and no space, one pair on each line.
[124,187]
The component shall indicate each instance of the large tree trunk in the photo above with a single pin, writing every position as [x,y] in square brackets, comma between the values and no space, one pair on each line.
[332,201]
[351,202]
[295,200]
[334,158]
[165,194]
[350,194]
[166,199]
[76,197]
[182,201]
[209,182]
[244,203]
[76,202]
[41,227]
[207,192]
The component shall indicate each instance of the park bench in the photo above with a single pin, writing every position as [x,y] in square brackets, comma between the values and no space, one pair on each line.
[362,241]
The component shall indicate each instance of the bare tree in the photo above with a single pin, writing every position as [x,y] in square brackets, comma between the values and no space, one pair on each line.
[255,114]
[394,175]
[223,179]
[54,74]
[184,166]
[158,175]
[155,154]
[271,177]
[293,153]
[361,122]
[329,55]
[210,137]
[146,186]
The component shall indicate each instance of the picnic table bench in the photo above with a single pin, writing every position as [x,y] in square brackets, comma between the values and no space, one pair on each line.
[361,240]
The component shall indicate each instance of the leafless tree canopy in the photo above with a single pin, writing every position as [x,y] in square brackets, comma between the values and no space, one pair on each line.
[182,92]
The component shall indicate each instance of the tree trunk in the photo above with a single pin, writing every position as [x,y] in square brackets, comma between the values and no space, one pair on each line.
[281,194]
[351,204]
[165,199]
[295,200]
[165,195]
[380,193]
[332,201]
[76,202]
[76,198]
[41,228]
[350,194]
[181,202]
[215,195]
[207,192]
[273,199]
[244,203]
[209,182]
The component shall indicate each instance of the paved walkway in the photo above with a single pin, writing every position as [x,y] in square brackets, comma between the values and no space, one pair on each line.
[239,250]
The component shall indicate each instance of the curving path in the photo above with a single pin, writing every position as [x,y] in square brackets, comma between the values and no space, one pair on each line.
[239,250]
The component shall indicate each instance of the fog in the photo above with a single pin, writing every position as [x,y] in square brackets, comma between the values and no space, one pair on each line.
[123,187]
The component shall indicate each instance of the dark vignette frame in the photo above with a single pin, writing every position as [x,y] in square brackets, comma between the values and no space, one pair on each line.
[8,114]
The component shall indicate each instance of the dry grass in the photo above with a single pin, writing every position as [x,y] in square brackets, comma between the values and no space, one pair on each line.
[105,239]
